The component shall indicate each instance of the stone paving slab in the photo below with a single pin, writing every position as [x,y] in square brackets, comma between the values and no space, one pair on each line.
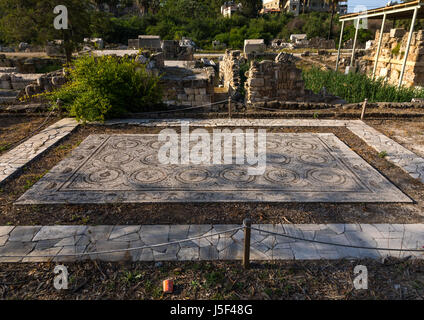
[69,243]
[12,161]
[407,160]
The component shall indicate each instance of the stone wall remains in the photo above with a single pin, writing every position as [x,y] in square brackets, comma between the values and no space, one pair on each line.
[188,87]
[27,65]
[172,50]
[229,70]
[46,83]
[279,79]
[393,47]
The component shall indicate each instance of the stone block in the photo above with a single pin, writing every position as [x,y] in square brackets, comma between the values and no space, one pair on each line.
[397,33]
[149,42]
[256,82]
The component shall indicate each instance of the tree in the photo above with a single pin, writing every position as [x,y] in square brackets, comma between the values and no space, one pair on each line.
[32,21]
[333,5]
[251,8]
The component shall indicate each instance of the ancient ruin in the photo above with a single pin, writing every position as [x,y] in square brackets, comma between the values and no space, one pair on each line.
[392,52]
[279,79]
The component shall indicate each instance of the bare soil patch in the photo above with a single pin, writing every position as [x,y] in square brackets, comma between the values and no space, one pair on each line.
[205,213]
[409,133]
[16,128]
[292,280]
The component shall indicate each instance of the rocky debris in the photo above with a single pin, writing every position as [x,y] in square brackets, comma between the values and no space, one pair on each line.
[45,83]
[173,50]
[278,44]
[23,46]
[96,43]
[283,57]
[55,48]
[154,61]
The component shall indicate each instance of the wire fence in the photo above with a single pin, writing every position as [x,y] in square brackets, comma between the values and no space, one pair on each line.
[244,226]
[335,244]
[124,249]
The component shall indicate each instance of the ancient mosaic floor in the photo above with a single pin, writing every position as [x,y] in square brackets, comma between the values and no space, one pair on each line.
[306,167]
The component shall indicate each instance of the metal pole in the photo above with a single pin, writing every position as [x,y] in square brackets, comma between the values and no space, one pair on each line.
[229,107]
[340,46]
[379,46]
[354,42]
[246,256]
[229,101]
[408,44]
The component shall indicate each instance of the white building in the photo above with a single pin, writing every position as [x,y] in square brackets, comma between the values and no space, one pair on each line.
[298,38]
[229,7]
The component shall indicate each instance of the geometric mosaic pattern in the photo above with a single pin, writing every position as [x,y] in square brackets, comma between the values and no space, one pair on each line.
[306,167]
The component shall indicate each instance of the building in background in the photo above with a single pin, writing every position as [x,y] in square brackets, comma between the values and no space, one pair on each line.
[301,6]
[230,7]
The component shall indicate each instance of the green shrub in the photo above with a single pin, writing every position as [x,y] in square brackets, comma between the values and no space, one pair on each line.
[396,50]
[355,87]
[105,87]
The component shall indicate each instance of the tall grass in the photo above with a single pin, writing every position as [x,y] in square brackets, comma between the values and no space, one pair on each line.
[355,87]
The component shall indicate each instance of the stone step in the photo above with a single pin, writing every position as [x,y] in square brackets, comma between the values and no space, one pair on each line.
[8,69]
[8,93]
[8,99]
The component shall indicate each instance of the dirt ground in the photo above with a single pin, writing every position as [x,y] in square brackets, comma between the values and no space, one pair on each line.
[409,133]
[15,128]
[199,213]
[25,54]
[292,280]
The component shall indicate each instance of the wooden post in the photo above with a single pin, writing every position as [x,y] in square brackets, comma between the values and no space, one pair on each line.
[246,256]
[364,106]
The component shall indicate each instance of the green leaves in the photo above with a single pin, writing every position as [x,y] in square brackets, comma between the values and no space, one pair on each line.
[105,87]
[355,87]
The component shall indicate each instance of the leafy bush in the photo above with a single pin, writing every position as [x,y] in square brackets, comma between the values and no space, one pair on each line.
[107,87]
[355,87]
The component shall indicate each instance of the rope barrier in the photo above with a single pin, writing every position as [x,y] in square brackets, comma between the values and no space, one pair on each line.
[188,108]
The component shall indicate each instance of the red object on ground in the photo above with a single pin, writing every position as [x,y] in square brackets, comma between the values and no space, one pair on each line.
[168,286]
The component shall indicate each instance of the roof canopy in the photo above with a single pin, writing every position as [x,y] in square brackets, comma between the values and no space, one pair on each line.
[397,11]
